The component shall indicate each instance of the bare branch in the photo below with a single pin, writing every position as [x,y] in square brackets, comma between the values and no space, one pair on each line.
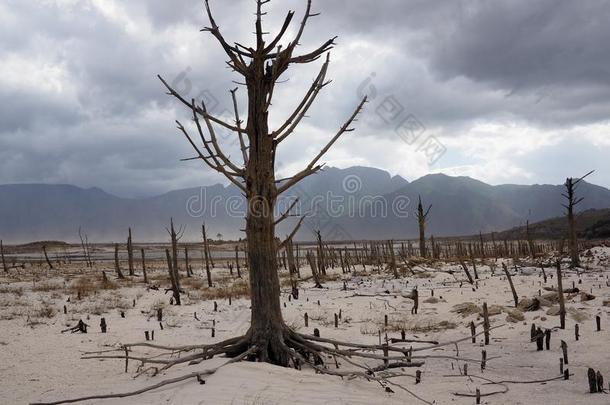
[200,111]
[279,36]
[293,121]
[312,168]
[294,231]
[238,122]
[287,213]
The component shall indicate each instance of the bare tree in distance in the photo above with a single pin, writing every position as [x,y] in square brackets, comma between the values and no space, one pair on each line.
[572,201]
[261,67]
[422,217]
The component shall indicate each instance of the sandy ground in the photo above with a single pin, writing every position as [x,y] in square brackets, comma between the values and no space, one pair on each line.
[39,363]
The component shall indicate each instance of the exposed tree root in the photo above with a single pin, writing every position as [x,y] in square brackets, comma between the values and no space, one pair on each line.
[286,348]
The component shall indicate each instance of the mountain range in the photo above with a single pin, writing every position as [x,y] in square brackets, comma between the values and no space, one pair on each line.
[344,204]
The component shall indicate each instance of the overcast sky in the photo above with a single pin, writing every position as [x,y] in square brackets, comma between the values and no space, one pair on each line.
[512,91]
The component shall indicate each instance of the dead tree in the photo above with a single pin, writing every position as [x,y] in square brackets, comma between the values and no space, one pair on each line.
[206,255]
[530,240]
[321,256]
[4,266]
[84,241]
[393,266]
[117,264]
[468,275]
[46,257]
[174,278]
[186,262]
[144,266]
[130,254]
[510,282]
[261,67]
[237,260]
[422,217]
[562,304]
[313,264]
[570,195]
[175,237]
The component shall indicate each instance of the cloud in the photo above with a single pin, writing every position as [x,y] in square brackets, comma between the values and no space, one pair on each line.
[497,83]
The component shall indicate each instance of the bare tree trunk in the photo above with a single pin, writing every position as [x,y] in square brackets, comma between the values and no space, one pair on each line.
[4,266]
[267,327]
[572,202]
[393,266]
[470,280]
[130,254]
[174,237]
[46,257]
[530,241]
[237,260]
[85,245]
[117,265]
[321,257]
[314,269]
[144,266]
[572,242]
[173,277]
[186,261]
[205,254]
[510,282]
[562,305]
[421,221]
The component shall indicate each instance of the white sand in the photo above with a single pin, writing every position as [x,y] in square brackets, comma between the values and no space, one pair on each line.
[38,363]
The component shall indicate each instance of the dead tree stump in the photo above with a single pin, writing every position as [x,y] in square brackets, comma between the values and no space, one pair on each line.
[512,286]
[592,380]
[564,350]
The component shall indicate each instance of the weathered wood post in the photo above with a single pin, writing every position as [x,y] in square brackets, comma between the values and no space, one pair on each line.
[46,257]
[4,267]
[117,266]
[562,305]
[173,275]
[539,339]
[207,259]
[598,323]
[473,331]
[470,280]
[486,323]
[564,350]
[415,296]
[130,254]
[592,380]
[144,266]
[510,282]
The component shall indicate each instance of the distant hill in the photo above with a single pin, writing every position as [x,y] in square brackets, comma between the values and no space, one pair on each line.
[590,224]
[353,203]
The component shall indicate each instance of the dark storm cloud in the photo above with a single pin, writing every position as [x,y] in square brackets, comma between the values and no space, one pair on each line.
[82,105]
